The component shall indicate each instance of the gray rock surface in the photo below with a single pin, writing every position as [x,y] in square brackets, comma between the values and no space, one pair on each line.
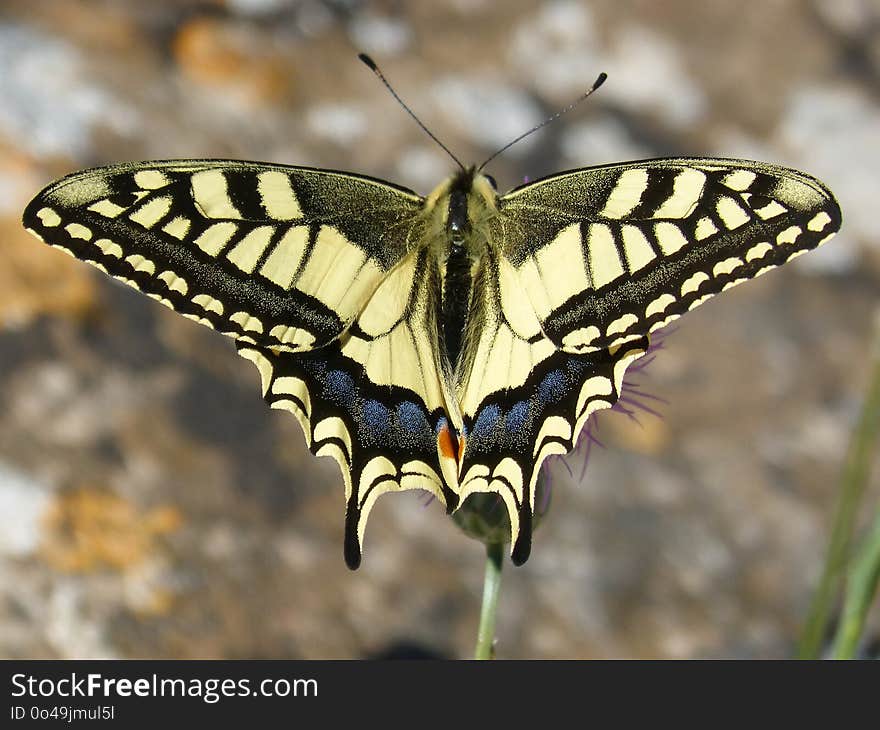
[152,506]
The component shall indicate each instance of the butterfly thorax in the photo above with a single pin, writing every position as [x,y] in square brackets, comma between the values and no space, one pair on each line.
[461,205]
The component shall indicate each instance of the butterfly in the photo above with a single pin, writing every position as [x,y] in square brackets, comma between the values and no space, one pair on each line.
[452,342]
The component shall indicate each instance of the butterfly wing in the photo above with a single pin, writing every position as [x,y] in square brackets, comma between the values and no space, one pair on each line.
[277,256]
[582,266]
[318,275]
[608,254]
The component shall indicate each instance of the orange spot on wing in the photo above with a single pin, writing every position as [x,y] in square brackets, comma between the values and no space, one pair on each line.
[446,442]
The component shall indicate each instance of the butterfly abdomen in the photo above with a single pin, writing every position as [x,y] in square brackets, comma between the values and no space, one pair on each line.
[456,299]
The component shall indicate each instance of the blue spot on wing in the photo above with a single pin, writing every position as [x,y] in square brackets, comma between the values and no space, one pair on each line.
[376,415]
[486,421]
[374,423]
[517,417]
[552,388]
[412,427]
[339,388]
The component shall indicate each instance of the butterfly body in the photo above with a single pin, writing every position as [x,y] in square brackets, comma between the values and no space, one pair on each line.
[450,342]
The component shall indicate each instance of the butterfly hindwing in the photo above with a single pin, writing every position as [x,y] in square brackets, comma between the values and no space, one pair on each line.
[383,438]
[609,254]
[273,255]
[514,430]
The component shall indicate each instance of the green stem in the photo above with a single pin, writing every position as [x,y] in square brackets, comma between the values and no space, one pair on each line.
[853,481]
[491,588]
[861,585]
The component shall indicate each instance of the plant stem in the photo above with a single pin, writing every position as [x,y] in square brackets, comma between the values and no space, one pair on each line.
[852,486]
[491,588]
[861,585]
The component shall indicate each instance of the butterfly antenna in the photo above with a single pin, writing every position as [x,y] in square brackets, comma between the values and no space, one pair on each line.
[596,84]
[371,64]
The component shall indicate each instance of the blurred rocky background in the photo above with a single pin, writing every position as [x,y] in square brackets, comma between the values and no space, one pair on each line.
[152,506]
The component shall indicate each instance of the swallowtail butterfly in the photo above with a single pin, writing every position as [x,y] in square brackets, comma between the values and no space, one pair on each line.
[451,342]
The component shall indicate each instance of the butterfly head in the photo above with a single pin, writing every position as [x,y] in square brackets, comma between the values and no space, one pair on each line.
[460,204]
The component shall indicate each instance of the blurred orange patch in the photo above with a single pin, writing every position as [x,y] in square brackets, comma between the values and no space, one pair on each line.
[36,279]
[91,529]
[214,53]
[649,436]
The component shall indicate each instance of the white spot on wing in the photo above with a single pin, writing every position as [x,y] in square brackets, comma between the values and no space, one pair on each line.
[726,267]
[106,208]
[659,305]
[296,337]
[150,179]
[771,210]
[626,194]
[636,247]
[789,235]
[731,213]
[48,217]
[109,248]
[819,221]
[174,282]
[277,195]
[605,264]
[211,195]
[554,427]
[622,324]
[686,192]
[77,230]
[669,237]
[593,387]
[152,212]
[758,251]
[215,237]
[739,179]
[208,303]
[693,283]
[580,339]
[705,228]
[177,227]
[247,322]
[139,263]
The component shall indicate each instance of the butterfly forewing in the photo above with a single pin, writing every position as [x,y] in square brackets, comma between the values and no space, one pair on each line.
[609,254]
[275,256]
